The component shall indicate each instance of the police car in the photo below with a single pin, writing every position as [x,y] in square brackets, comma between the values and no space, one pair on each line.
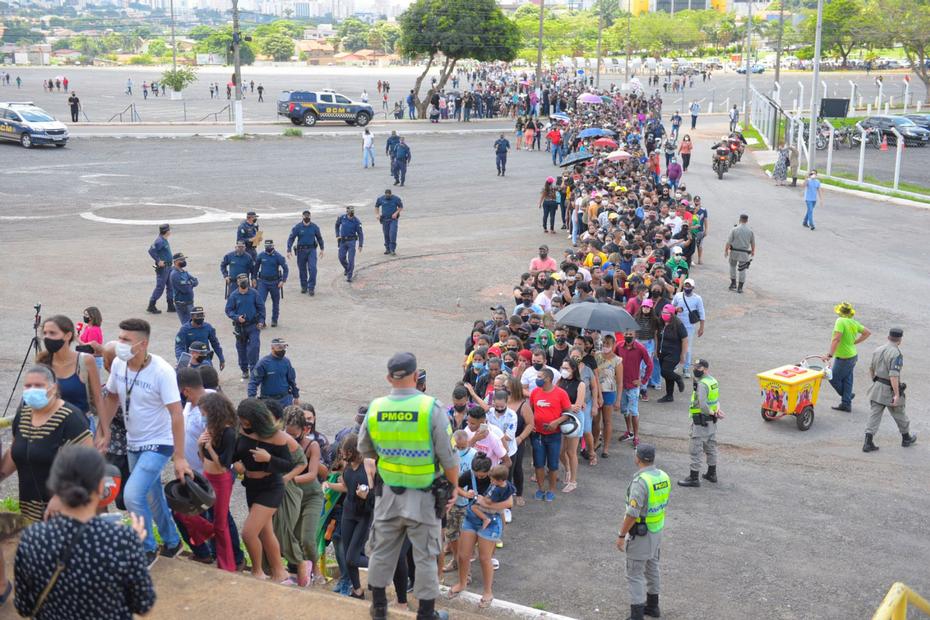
[306,107]
[30,125]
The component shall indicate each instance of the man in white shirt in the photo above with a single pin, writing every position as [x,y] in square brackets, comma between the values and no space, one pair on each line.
[531,374]
[146,386]
[686,302]
[674,222]
[368,150]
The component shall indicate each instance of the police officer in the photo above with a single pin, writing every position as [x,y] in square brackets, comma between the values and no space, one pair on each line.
[160,251]
[740,248]
[271,273]
[237,262]
[348,231]
[182,287]
[704,413]
[640,534]
[246,310]
[308,237]
[887,391]
[401,159]
[409,434]
[200,355]
[389,145]
[387,210]
[198,330]
[248,232]
[276,377]
[501,146]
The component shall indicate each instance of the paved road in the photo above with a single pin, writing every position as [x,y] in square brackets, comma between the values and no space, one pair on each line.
[802,525]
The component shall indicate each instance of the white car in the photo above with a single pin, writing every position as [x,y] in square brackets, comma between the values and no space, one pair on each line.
[30,125]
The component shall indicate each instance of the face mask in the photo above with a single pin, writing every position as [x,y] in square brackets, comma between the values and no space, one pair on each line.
[86,319]
[698,373]
[269,250]
[197,321]
[543,255]
[566,374]
[518,300]
[538,367]
[560,339]
[240,251]
[459,408]
[37,398]
[513,349]
[540,382]
[666,316]
[124,351]
[182,264]
[628,339]
[196,359]
[689,291]
[534,326]
[478,365]
[526,319]
[53,345]
[278,354]
[306,220]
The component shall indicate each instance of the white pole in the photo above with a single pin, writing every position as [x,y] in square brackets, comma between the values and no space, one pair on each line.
[868,110]
[881,88]
[801,96]
[899,140]
[907,94]
[748,51]
[852,96]
[861,152]
[814,80]
[237,71]
[887,105]
[777,93]
[918,105]
[830,146]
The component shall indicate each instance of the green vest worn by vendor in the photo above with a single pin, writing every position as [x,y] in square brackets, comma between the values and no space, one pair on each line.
[401,431]
[658,486]
[713,397]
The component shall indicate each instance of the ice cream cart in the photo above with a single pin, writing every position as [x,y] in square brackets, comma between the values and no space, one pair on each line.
[793,390]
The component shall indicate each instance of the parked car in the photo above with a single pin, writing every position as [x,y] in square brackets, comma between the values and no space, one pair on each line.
[921,120]
[756,68]
[913,134]
[29,125]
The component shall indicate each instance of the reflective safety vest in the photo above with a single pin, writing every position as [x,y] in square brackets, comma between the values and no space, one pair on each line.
[658,486]
[713,397]
[401,431]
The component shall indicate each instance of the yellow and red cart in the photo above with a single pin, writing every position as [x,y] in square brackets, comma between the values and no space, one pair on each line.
[793,390]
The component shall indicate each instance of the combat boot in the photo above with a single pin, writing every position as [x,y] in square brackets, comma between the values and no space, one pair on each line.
[732,284]
[652,606]
[152,309]
[170,306]
[908,440]
[711,475]
[739,288]
[636,612]
[379,604]
[427,611]
[690,481]
[868,446]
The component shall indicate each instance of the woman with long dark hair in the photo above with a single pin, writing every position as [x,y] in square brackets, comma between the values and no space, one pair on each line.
[76,373]
[296,425]
[673,343]
[549,205]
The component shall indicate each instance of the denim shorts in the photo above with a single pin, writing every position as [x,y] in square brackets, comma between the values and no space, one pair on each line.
[546,450]
[610,398]
[629,402]
[473,524]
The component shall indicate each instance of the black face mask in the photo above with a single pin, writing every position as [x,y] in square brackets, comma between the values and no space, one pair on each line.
[86,319]
[628,339]
[278,354]
[243,285]
[560,340]
[53,345]
[197,322]
[698,373]
[513,349]
[543,255]
[196,359]
[182,264]
[538,366]
[269,250]
[306,220]
[459,408]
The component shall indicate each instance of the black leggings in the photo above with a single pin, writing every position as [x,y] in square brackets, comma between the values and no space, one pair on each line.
[549,209]
[668,364]
[562,210]
[685,160]
[516,469]
[354,537]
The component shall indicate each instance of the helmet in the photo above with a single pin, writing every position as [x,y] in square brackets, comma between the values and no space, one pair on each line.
[571,425]
[192,497]
[112,481]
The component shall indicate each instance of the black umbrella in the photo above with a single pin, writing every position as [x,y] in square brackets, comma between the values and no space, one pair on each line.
[596,316]
[576,158]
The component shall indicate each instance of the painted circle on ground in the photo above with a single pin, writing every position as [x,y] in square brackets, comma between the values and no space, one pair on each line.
[141,214]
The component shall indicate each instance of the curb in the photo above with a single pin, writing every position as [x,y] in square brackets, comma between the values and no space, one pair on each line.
[506,607]
[323,134]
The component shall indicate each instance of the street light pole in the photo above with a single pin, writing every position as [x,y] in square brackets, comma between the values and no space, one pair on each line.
[629,38]
[781,33]
[539,45]
[812,138]
[748,52]
[237,71]
[600,33]
[174,46]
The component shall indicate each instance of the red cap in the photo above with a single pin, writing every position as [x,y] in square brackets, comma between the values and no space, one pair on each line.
[526,354]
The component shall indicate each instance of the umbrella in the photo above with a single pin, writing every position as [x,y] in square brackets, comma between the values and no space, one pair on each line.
[618,155]
[596,316]
[589,98]
[607,99]
[560,117]
[576,158]
[606,142]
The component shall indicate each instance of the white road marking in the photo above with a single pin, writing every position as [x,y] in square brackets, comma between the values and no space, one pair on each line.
[208,214]
[95,179]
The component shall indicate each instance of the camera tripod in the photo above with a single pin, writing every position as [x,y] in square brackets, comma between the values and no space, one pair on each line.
[32,349]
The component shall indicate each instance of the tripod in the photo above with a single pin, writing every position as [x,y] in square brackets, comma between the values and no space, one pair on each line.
[33,346]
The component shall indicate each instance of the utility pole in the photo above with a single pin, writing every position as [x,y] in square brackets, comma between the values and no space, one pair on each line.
[539,45]
[781,33]
[811,150]
[237,71]
[174,46]
[600,35]
[748,52]
[629,38]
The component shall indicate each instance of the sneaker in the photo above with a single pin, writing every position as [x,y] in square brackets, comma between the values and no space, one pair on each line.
[495,563]
[508,515]
[550,496]
[687,374]
[499,544]
[151,557]
[644,396]
[245,375]
[172,552]
[540,495]
[626,436]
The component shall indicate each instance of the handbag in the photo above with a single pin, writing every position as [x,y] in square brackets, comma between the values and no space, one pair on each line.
[693,315]
[60,566]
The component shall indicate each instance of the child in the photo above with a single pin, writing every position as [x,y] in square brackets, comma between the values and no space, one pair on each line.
[453,522]
[500,490]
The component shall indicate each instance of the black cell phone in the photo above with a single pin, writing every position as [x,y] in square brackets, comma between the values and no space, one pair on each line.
[84,348]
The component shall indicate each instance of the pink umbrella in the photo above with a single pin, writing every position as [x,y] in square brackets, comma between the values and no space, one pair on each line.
[605,142]
[589,98]
[618,155]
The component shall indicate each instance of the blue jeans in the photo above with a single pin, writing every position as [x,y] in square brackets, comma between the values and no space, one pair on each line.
[691,328]
[546,449]
[306,266]
[145,496]
[389,227]
[368,156]
[809,216]
[842,380]
[412,112]
[400,171]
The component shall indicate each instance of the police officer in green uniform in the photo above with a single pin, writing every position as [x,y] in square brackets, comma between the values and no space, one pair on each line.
[887,391]
[409,434]
[704,413]
[640,534]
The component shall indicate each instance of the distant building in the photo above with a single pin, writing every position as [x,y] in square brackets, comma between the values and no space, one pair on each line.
[66,55]
[638,7]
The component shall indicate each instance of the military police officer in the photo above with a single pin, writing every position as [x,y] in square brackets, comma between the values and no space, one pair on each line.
[237,262]
[200,355]
[160,251]
[308,237]
[740,249]
[248,232]
[501,146]
[198,330]
[271,273]
[247,311]
[409,434]
[401,159]
[389,145]
[887,391]
[704,413]
[348,231]
[182,286]
[640,534]
[387,210]
[275,376]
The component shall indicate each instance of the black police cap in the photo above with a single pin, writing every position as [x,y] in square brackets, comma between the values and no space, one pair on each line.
[402,364]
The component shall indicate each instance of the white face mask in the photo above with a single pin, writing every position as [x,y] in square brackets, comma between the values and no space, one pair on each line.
[124,351]
[566,374]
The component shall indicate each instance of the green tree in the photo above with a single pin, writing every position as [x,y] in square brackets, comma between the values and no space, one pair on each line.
[908,23]
[180,78]
[842,26]
[199,33]
[279,46]
[220,42]
[19,31]
[158,48]
[383,36]
[455,29]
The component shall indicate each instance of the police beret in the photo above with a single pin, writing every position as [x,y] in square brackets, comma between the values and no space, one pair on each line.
[306,212]
[402,364]
[243,276]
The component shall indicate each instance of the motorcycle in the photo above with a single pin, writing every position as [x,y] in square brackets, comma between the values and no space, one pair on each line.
[736,151]
[721,161]
[872,138]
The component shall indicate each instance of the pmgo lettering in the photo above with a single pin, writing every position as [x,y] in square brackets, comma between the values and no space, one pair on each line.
[398,416]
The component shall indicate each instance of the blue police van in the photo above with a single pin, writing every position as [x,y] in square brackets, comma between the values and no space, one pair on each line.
[307,107]
[29,125]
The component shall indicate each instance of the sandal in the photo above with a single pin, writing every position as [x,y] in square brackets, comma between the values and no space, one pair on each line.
[593,460]
[6,593]
[604,455]
[520,501]
[484,603]
[452,593]
[451,567]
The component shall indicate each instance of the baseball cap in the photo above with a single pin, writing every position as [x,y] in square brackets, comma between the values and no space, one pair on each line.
[703,363]
[251,214]
[279,342]
[196,310]
[305,212]
[401,365]
[242,276]
[895,332]
[675,250]
[163,228]
[646,452]
[689,282]
[268,242]
[179,256]
[199,347]
[648,303]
